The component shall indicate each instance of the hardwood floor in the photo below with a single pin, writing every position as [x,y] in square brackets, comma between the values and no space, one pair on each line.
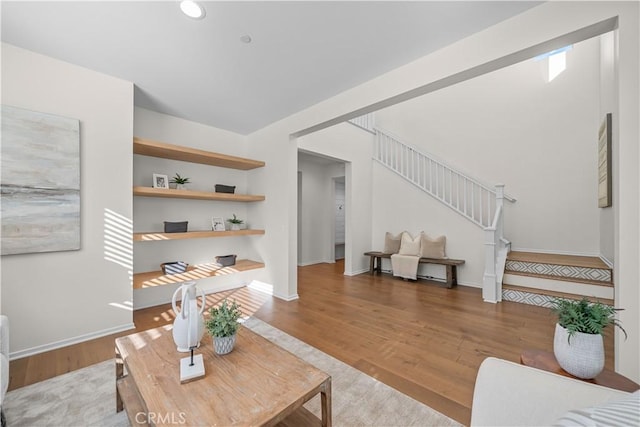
[421,338]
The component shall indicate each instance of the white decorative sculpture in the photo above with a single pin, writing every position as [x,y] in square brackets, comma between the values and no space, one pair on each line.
[188,327]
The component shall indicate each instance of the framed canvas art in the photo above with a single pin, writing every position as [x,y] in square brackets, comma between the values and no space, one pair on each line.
[40,182]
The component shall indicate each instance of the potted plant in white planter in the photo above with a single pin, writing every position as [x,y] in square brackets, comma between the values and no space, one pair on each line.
[223,325]
[179,182]
[235,222]
[578,344]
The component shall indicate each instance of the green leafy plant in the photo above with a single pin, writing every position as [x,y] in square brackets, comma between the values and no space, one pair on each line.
[223,320]
[179,180]
[235,220]
[585,316]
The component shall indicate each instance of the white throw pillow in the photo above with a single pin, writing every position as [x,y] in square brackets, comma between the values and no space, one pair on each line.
[621,412]
[392,243]
[432,247]
[409,245]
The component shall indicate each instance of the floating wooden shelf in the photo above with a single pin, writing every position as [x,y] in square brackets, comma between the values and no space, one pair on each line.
[200,271]
[197,195]
[147,147]
[154,237]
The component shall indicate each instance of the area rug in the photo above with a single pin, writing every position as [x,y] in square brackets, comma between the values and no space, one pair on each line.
[86,397]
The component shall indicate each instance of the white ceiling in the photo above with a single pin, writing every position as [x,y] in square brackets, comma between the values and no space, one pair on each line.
[301,53]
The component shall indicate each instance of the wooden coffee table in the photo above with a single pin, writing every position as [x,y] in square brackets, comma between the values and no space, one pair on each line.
[546,361]
[258,383]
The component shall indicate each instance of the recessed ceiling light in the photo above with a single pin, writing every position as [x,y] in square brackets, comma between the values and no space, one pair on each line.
[192,9]
[245,39]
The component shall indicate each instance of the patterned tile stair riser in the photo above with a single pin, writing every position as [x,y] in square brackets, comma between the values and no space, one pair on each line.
[573,272]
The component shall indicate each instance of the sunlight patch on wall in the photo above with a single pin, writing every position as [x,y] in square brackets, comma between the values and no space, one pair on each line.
[118,242]
[125,305]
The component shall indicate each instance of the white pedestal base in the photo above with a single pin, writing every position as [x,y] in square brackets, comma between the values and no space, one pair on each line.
[190,373]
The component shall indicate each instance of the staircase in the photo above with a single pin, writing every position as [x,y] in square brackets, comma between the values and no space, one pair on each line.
[467,196]
[530,278]
[536,278]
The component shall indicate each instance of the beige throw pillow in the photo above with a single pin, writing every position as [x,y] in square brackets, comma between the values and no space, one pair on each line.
[432,247]
[409,245]
[391,243]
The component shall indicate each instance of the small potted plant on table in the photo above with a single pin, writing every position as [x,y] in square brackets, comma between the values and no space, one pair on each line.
[578,344]
[235,222]
[180,182]
[223,325]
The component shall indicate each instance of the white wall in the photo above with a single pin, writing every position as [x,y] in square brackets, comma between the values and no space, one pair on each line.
[549,21]
[626,134]
[511,126]
[399,206]
[316,224]
[339,209]
[54,299]
[150,213]
[608,104]
[354,146]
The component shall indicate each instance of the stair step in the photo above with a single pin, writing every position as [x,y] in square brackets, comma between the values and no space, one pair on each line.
[542,297]
[559,259]
[570,268]
[558,285]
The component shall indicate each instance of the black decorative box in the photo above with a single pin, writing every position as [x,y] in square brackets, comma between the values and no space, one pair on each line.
[220,188]
[175,227]
[175,267]
[226,260]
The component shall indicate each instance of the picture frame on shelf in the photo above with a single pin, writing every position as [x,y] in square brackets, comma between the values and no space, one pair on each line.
[217,224]
[160,181]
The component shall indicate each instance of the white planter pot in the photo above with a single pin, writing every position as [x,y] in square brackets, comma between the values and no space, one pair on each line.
[224,345]
[235,227]
[582,355]
[181,187]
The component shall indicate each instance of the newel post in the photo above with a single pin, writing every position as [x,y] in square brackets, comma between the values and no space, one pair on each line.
[489,291]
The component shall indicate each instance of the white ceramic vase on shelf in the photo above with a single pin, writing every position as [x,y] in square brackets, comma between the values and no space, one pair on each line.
[581,355]
[188,327]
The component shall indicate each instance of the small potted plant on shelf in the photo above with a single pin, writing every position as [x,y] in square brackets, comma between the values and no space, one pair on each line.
[223,325]
[180,182]
[235,222]
[578,344]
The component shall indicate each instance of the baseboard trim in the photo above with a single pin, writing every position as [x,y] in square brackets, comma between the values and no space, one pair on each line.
[558,252]
[69,341]
[287,298]
[470,284]
[304,264]
[355,273]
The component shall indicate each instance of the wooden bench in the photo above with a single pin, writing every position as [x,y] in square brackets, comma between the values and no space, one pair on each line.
[375,264]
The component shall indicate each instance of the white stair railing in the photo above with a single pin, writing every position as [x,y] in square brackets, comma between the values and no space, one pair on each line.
[465,195]
[366,122]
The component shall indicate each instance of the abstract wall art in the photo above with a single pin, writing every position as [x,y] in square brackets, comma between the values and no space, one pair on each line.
[604,163]
[39,182]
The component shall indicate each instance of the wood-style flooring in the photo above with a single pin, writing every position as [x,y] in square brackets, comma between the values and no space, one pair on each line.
[421,338]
